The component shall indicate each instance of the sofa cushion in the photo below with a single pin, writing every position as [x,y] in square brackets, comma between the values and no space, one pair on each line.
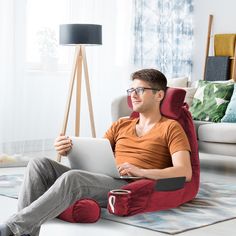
[223,149]
[197,124]
[211,100]
[230,114]
[177,82]
[190,91]
[217,133]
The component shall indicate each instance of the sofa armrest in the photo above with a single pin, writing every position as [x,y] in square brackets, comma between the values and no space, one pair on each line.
[120,108]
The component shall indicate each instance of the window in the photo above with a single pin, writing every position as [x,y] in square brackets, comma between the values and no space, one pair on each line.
[42,30]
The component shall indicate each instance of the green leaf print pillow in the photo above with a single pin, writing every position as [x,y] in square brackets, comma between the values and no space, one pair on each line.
[211,100]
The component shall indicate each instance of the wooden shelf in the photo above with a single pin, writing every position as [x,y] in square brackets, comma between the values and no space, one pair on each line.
[209,36]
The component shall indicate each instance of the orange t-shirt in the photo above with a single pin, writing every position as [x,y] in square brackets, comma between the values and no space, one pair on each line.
[153,150]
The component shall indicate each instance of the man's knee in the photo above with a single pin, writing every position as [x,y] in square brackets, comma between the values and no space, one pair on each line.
[72,177]
[38,163]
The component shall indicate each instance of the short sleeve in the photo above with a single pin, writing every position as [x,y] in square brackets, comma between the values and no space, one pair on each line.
[177,139]
[110,136]
[113,132]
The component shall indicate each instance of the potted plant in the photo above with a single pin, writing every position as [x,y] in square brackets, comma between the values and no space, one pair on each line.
[48,48]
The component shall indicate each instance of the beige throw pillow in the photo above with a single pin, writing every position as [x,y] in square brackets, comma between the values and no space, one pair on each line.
[190,91]
[177,82]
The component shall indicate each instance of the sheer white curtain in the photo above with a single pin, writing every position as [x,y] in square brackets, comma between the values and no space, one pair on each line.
[8,90]
[16,129]
[33,87]
[164,35]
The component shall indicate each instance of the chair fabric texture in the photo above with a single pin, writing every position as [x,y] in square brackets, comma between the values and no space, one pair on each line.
[82,211]
[144,197]
[173,107]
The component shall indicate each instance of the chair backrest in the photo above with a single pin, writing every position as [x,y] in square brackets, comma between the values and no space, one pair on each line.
[171,104]
[170,107]
[173,107]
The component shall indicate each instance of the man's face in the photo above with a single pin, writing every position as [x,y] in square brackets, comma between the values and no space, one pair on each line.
[143,100]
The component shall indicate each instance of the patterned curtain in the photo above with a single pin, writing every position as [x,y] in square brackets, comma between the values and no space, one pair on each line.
[163,34]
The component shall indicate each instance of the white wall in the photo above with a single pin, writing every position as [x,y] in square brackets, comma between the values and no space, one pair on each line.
[108,67]
[109,71]
[33,101]
[224,21]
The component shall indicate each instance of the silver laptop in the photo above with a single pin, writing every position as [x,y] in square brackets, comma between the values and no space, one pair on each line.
[94,155]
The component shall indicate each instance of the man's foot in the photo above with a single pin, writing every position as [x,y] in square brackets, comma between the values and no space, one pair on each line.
[4,230]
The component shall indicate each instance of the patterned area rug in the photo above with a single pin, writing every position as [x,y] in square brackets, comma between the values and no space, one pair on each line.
[10,185]
[214,203]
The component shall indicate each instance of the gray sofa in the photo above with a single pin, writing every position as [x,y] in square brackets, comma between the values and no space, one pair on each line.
[216,138]
[213,138]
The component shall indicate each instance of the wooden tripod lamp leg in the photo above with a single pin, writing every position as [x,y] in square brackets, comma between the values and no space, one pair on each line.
[68,103]
[79,59]
[78,92]
[90,106]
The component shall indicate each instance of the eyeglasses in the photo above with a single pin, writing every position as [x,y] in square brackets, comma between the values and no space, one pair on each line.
[139,90]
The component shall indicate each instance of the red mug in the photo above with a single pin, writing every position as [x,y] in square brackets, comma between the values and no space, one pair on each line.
[118,201]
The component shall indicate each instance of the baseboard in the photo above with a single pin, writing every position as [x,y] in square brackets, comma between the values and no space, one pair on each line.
[18,153]
[25,146]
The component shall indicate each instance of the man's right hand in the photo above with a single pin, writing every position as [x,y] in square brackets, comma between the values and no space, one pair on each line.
[63,145]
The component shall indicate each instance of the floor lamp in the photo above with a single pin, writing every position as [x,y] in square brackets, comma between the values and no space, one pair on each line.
[79,35]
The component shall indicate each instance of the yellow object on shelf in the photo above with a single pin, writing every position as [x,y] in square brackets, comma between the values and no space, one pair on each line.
[224,44]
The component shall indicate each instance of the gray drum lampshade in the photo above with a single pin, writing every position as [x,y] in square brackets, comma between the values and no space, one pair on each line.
[72,34]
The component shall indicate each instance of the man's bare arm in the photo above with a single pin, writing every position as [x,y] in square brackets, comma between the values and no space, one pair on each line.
[181,167]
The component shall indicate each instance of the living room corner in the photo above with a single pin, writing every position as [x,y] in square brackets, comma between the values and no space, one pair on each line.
[197,54]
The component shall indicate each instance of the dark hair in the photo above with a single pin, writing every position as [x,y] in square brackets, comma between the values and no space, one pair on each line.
[153,77]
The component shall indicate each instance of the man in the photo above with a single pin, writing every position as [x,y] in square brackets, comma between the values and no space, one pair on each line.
[151,146]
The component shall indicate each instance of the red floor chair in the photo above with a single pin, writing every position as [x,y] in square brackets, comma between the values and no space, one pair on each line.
[149,195]
[173,107]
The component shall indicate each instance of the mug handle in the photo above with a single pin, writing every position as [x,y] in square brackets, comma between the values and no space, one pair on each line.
[111,202]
